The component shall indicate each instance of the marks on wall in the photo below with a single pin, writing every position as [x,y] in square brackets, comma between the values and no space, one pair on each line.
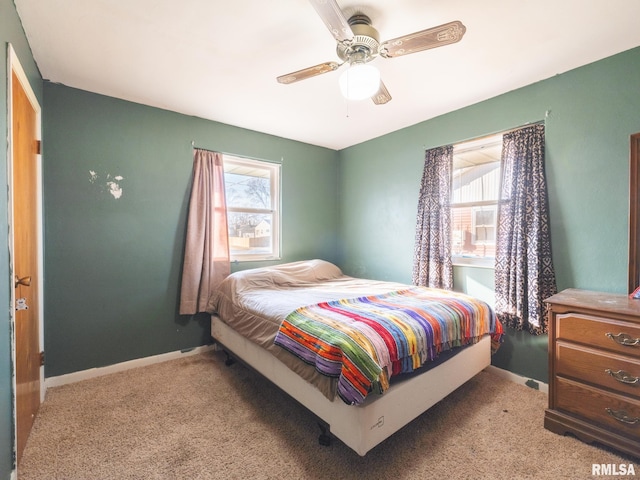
[107,183]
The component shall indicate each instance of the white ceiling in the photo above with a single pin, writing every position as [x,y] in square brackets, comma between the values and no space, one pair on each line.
[219,59]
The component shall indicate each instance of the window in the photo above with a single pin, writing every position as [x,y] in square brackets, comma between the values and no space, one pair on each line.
[483,225]
[474,201]
[252,189]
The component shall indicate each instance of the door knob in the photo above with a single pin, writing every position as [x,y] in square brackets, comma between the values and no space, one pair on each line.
[26,281]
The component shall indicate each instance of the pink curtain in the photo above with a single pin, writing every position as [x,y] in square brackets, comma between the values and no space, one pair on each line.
[206,256]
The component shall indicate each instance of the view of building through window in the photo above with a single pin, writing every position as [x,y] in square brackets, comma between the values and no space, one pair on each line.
[474,200]
[252,191]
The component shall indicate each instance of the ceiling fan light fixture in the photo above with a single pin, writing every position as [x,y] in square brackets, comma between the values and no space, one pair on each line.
[360,81]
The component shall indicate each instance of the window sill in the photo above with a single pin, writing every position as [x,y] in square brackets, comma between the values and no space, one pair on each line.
[257,258]
[473,262]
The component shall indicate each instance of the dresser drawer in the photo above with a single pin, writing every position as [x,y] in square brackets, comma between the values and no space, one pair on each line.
[614,412]
[599,332]
[608,370]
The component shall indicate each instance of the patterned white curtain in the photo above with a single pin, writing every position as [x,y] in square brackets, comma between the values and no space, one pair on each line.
[524,273]
[432,266]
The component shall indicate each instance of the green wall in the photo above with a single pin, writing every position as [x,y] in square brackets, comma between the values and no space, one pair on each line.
[113,265]
[10,33]
[589,115]
[106,286]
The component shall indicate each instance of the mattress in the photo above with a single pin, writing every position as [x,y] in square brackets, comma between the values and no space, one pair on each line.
[256,302]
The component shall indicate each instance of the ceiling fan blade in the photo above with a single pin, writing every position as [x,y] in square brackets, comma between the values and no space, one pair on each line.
[308,72]
[333,18]
[382,96]
[446,34]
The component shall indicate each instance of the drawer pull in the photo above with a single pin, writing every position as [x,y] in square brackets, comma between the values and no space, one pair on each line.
[622,416]
[624,339]
[623,377]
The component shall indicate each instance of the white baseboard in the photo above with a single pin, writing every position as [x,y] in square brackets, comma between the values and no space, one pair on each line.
[120,367]
[535,384]
[141,362]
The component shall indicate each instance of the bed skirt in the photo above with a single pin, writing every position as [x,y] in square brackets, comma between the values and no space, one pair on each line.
[363,426]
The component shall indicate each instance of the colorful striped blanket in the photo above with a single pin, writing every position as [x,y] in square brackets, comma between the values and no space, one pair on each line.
[365,341]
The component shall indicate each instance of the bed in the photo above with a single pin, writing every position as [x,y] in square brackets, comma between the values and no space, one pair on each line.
[316,333]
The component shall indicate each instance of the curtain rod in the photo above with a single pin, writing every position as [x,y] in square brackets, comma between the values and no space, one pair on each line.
[502,132]
[539,122]
[205,149]
[193,145]
[280,162]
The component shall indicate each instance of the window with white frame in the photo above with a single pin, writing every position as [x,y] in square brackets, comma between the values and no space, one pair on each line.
[474,201]
[252,189]
[483,224]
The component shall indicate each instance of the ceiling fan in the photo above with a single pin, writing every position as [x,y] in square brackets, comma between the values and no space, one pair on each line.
[359,43]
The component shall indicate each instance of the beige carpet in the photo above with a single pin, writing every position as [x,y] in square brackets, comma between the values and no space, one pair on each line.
[195,418]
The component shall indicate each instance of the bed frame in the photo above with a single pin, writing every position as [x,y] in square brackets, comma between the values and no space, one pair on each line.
[364,426]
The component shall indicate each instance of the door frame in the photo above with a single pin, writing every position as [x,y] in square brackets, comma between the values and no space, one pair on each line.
[634,212]
[14,66]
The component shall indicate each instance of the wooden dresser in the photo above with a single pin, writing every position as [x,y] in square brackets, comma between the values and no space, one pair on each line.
[594,368]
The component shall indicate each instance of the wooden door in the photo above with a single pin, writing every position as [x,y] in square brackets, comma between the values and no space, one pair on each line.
[25,261]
